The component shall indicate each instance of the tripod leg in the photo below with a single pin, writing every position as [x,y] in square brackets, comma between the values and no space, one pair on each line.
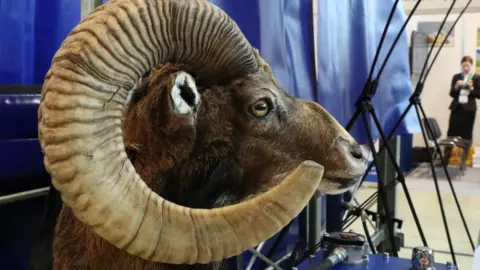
[352,120]
[437,188]
[419,107]
[400,177]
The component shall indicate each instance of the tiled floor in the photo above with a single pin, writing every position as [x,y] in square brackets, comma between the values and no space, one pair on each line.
[424,197]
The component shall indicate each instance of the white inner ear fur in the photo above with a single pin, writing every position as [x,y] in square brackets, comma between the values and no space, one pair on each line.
[181,106]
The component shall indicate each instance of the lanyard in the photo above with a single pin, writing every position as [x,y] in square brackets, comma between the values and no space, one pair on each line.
[469,77]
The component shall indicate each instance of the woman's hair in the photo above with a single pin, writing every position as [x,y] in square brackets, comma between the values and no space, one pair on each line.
[467,59]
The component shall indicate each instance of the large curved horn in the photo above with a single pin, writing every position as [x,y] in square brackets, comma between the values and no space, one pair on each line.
[81,136]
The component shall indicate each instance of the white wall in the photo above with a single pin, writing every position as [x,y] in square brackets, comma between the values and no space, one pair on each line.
[435,97]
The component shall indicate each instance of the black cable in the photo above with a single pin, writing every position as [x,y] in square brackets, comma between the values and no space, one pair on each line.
[382,39]
[369,202]
[368,236]
[397,38]
[365,206]
[435,40]
[401,179]
[389,185]
[454,193]
[389,137]
[437,188]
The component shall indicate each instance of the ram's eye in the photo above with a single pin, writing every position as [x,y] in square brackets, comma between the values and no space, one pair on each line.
[260,108]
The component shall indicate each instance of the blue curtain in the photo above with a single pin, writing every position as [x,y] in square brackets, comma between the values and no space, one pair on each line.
[32,31]
[348,36]
[282,30]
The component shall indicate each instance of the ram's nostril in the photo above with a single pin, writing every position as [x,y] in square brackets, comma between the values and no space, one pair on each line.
[356,151]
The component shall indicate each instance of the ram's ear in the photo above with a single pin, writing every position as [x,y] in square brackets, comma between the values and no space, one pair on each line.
[138,91]
[184,94]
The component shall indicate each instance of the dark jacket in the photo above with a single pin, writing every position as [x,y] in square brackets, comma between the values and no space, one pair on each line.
[471,105]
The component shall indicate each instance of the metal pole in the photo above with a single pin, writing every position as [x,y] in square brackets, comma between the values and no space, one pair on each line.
[315,226]
[86,6]
[389,175]
[20,196]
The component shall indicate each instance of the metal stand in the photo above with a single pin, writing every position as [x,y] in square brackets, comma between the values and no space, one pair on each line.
[311,232]
[387,170]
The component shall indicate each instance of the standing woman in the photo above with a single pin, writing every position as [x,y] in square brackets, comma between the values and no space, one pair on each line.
[465,88]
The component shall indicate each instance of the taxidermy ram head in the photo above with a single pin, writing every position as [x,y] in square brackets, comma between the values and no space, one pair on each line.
[217,108]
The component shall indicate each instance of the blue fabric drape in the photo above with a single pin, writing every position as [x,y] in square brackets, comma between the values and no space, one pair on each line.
[282,30]
[31,32]
[348,36]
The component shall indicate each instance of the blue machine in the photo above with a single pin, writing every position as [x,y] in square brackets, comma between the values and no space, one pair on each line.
[283,32]
[376,262]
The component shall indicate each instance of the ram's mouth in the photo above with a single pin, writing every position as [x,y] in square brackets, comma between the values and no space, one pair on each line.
[334,186]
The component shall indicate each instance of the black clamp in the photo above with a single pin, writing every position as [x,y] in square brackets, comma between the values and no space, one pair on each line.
[415,98]
[382,219]
[364,102]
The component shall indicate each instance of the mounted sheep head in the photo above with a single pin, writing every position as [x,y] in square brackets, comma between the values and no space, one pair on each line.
[213,104]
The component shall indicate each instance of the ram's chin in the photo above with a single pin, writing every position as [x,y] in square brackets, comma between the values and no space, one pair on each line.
[336,186]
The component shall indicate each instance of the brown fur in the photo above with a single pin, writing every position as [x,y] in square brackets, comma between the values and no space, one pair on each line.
[219,155]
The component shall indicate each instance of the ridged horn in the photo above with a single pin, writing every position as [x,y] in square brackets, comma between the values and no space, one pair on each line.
[81,136]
